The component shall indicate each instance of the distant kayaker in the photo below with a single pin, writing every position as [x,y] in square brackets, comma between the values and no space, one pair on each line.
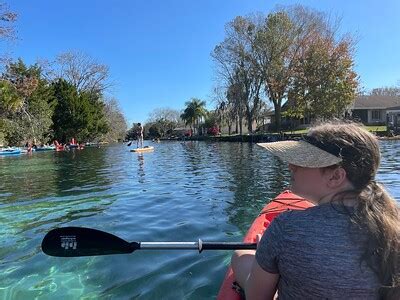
[345,247]
[139,135]
[28,146]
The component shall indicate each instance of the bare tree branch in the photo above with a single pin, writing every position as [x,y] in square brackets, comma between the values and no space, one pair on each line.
[83,72]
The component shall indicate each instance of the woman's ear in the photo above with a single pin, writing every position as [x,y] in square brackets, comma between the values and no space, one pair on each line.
[337,177]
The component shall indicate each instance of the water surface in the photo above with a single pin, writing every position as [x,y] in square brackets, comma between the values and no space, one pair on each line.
[180,192]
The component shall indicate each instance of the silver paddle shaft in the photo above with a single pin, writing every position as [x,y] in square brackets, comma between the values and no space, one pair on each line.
[169,245]
[200,245]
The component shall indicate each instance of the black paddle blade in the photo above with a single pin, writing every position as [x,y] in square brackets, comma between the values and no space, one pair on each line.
[79,241]
[130,143]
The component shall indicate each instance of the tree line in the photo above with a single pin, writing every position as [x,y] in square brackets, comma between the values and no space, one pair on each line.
[57,100]
[61,103]
[163,122]
[293,55]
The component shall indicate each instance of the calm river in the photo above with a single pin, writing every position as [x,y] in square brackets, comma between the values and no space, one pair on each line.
[180,192]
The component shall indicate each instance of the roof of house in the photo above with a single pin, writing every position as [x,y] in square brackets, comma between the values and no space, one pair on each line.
[394,108]
[376,102]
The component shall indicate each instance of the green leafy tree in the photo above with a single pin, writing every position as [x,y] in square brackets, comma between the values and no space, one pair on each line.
[155,130]
[97,121]
[282,43]
[274,41]
[211,121]
[195,110]
[163,121]
[9,100]
[325,83]
[77,115]
[70,115]
[26,103]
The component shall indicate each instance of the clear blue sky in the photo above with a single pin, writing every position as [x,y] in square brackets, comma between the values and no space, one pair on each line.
[159,51]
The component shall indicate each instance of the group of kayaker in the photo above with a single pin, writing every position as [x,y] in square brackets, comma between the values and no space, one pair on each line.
[31,146]
[345,247]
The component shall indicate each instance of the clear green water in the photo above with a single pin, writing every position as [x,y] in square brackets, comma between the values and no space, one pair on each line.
[180,192]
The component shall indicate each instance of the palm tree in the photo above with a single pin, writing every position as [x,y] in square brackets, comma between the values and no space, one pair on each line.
[194,111]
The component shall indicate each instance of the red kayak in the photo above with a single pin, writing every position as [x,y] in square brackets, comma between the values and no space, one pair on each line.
[285,201]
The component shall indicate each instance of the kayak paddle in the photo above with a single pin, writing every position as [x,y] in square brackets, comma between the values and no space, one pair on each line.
[80,241]
[130,143]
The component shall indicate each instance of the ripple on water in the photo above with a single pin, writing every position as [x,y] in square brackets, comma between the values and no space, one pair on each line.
[180,192]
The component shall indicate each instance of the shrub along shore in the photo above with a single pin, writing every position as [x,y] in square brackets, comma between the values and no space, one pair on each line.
[271,137]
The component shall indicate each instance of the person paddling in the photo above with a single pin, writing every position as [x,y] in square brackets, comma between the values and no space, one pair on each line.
[345,247]
[139,135]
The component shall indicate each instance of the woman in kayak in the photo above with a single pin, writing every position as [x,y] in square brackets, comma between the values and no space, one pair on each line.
[348,245]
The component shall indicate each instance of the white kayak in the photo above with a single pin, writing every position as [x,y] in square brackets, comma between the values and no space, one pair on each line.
[144,149]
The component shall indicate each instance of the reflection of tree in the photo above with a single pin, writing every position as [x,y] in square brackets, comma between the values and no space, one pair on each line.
[45,175]
[249,172]
[280,176]
[64,187]
[257,177]
[193,155]
[243,169]
[54,213]
[77,169]
[28,177]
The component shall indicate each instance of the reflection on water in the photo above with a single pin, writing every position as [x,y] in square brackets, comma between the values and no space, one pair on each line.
[181,191]
[141,167]
[390,167]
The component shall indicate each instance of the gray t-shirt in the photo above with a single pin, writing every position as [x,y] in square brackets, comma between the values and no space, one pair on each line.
[317,254]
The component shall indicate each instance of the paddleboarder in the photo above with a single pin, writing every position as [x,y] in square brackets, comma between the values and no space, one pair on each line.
[139,135]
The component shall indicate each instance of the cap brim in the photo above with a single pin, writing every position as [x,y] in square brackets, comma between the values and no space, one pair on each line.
[301,153]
